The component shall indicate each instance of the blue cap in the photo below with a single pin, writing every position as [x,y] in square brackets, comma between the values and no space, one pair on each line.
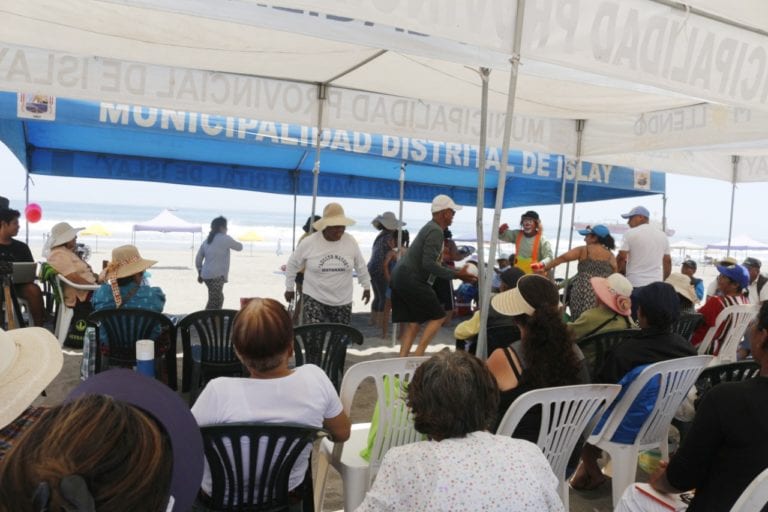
[598,230]
[637,210]
[736,273]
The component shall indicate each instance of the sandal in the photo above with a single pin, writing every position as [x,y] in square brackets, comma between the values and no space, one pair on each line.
[588,483]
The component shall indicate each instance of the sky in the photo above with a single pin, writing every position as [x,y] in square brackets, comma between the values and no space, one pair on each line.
[697,208]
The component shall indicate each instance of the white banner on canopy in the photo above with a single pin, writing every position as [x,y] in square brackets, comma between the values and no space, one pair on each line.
[97,79]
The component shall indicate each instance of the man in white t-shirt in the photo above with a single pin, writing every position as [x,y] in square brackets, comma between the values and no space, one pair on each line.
[644,255]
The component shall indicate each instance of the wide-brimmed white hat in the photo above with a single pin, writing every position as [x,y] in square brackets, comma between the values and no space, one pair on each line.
[682,285]
[388,220]
[513,303]
[333,215]
[62,233]
[29,360]
[614,291]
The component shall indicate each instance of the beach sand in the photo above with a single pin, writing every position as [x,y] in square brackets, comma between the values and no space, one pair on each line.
[258,274]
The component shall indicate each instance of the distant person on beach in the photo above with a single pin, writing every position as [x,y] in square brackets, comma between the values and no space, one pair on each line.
[644,254]
[212,261]
[125,286]
[414,301]
[65,261]
[532,250]
[595,259]
[387,224]
[274,392]
[17,251]
[328,257]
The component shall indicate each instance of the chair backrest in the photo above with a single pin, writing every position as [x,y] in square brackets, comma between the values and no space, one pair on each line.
[686,324]
[734,320]
[676,376]
[125,326]
[596,346]
[729,372]
[565,413]
[395,426]
[214,331]
[755,496]
[325,345]
[251,463]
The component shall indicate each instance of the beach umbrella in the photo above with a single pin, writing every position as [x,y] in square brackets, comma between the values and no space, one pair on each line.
[250,236]
[95,230]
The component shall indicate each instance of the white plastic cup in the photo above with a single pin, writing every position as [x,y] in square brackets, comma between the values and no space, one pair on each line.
[145,357]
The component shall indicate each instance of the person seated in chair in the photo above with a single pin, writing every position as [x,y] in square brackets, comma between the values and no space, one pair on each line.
[125,286]
[462,466]
[726,447]
[657,309]
[64,260]
[16,251]
[262,336]
[613,311]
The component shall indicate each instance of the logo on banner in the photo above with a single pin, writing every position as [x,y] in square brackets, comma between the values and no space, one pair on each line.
[642,179]
[36,106]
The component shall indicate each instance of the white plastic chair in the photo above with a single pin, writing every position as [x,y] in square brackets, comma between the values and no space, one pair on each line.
[755,496]
[395,428]
[565,413]
[676,378]
[65,313]
[740,316]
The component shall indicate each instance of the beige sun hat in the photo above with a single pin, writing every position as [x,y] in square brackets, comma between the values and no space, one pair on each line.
[388,220]
[62,233]
[333,215]
[30,359]
[126,261]
[682,285]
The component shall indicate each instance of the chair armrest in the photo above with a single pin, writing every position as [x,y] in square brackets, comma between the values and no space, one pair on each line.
[77,286]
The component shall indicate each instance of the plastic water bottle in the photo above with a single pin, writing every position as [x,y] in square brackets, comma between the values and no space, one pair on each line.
[145,357]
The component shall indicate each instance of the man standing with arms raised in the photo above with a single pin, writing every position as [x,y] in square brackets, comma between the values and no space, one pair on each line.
[532,250]
[413,299]
[644,255]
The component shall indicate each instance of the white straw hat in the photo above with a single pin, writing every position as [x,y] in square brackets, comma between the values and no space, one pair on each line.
[126,261]
[29,360]
[62,233]
[333,215]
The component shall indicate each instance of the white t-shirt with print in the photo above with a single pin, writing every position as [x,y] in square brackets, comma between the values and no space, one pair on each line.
[647,246]
[328,268]
[481,471]
[306,396]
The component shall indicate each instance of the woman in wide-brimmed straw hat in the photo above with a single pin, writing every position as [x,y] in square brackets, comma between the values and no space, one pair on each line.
[387,224]
[65,261]
[126,286]
[328,257]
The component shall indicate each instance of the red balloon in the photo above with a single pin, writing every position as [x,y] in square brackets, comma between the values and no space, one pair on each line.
[33,212]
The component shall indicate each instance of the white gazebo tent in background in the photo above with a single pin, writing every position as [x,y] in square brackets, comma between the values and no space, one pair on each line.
[684,247]
[743,245]
[167,222]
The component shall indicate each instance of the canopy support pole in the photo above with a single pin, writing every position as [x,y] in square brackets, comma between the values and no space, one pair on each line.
[664,211]
[295,198]
[579,138]
[735,163]
[321,94]
[399,237]
[26,196]
[511,93]
[485,270]
[563,181]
